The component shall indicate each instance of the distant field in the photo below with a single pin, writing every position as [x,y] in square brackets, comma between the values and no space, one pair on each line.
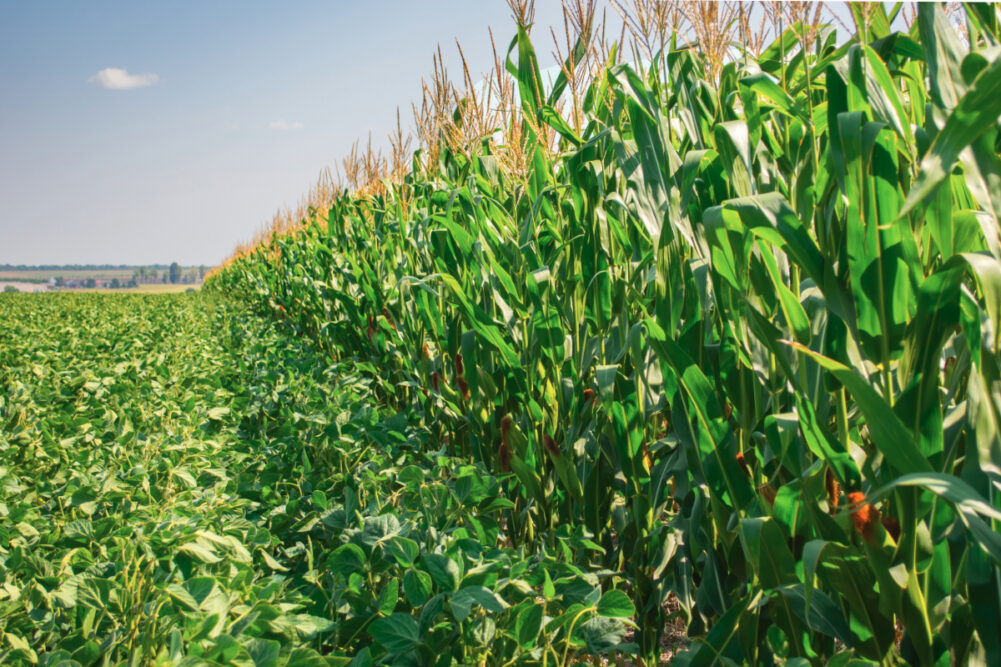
[28,280]
[21,285]
[152,288]
[43,276]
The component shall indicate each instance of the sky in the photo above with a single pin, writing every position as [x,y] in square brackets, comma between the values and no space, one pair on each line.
[153,132]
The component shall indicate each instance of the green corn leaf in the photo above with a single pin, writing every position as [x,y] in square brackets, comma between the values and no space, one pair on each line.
[715,442]
[772,91]
[972,508]
[889,434]
[976,112]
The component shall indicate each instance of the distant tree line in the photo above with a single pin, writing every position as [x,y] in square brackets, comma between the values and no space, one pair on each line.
[114,283]
[141,275]
[175,273]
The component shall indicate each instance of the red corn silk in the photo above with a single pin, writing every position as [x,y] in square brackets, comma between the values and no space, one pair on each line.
[743,464]
[768,493]
[504,457]
[865,517]
[551,446]
[505,427]
[892,527]
[833,489]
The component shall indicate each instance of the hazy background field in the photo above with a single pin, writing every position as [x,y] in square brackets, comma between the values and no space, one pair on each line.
[22,286]
[43,275]
[152,288]
[37,280]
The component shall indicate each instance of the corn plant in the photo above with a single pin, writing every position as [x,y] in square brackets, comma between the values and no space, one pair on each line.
[739,326]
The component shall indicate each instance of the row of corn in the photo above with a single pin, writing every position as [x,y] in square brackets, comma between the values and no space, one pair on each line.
[742,328]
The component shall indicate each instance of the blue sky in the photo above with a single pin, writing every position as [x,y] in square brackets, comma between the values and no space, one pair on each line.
[251,101]
[245,103]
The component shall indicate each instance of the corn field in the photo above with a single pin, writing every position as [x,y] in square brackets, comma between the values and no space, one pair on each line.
[726,329]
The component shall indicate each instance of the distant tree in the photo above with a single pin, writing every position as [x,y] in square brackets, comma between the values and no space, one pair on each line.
[175,273]
[60,282]
[90,282]
[153,275]
[133,283]
[115,284]
[202,270]
[10,289]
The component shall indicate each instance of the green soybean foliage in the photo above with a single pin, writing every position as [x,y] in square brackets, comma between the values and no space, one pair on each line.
[185,484]
[740,334]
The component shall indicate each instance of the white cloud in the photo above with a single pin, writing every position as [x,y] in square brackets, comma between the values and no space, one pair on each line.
[114,78]
[284,125]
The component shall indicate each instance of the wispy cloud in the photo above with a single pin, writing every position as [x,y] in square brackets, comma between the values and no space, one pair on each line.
[115,78]
[284,125]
